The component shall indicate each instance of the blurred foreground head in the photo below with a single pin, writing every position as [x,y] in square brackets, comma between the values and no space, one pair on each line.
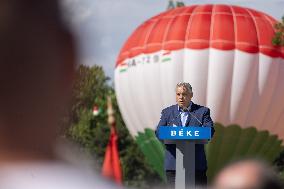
[247,174]
[37,59]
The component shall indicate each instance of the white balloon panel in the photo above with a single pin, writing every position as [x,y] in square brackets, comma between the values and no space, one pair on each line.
[244,78]
[171,74]
[275,112]
[276,105]
[219,84]
[264,88]
[127,99]
[123,96]
[195,71]
[279,130]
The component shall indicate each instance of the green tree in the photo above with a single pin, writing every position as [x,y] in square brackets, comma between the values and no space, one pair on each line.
[174,4]
[92,132]
[278,38]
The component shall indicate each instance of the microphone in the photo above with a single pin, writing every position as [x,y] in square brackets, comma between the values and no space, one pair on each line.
[188,109]
[203,141]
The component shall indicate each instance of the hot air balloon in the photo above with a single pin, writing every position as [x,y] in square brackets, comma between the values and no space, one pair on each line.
[225,52]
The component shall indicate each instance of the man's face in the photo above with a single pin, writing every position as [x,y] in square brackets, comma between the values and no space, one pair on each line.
[183,97]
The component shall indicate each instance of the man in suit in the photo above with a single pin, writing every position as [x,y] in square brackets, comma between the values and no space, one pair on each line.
[186,113]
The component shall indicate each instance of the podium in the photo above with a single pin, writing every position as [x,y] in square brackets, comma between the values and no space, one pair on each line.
[185,139]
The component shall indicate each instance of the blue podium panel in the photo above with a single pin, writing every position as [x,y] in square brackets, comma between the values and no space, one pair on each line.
[179,132]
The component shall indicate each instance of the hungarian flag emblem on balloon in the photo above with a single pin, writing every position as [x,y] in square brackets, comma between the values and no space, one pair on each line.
[226,53]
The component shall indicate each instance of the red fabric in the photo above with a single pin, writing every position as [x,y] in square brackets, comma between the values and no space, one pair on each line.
[223,27]
[111,166]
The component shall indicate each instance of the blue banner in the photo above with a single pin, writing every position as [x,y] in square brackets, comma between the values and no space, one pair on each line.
[179,132]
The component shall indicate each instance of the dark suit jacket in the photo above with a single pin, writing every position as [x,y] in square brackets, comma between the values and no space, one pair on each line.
[171,116]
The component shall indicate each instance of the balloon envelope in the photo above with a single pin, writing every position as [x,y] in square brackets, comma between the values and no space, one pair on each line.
[225,52]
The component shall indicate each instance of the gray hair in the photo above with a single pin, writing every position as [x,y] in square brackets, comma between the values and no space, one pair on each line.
[185,85]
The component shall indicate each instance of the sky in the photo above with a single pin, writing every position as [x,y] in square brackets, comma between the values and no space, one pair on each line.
[101,27]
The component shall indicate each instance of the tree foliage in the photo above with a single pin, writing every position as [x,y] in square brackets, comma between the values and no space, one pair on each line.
[92,132]
[278,38]
[175,4]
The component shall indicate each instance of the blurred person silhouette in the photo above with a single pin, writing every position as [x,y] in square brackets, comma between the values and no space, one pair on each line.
[247,174]
[37,61]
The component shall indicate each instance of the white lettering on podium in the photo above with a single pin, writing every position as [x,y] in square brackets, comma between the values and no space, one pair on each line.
[180,133]
[188,133]
[173,133]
